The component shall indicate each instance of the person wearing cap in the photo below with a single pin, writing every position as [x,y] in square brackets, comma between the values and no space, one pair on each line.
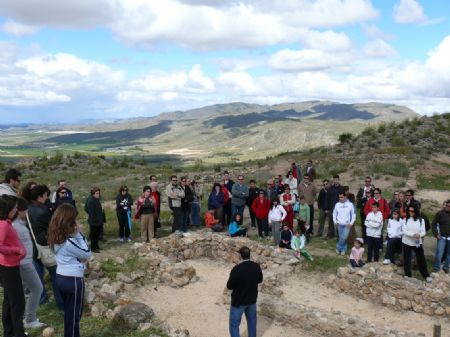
[357,253]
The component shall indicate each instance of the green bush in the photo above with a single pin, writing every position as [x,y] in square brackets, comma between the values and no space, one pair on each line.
[345,138]
[381,128]
[393,168]
[397,141]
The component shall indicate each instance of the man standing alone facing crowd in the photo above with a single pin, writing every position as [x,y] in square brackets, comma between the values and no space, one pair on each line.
[244,279]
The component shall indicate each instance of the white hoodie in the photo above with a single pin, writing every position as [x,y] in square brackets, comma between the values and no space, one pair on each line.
[374,224]
[277,214]
[395,228]
[344,213]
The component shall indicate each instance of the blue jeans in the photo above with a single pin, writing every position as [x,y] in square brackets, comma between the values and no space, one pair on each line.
[195,214]
[440,248]
[235,319]
[237,209]
[343,231]
[40,268]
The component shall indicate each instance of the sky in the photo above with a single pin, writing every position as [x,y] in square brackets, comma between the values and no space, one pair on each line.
[80,60]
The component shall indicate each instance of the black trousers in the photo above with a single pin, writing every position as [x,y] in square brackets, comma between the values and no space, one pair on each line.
[177,218]
[394,245]
[13,302]
[373,248]
[94,236]
[311,219]
[72,291]
[263,227]
[420,256]
[124,228]
[241,232]
[227,213]
[252,216]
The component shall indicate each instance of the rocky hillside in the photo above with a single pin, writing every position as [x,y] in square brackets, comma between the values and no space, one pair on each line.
[219,133]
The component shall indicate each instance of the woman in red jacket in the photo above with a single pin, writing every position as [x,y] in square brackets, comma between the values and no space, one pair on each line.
[11,252]
[261,208]
[384,205]
[287,200]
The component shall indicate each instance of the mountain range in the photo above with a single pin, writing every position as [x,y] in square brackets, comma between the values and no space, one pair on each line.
[237,130]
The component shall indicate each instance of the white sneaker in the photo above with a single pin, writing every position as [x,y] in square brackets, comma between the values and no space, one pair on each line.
[128,239]
[186,234]
[342,253]
[337,251]
[429,279]
[386,261]
[121,240]
[34,325]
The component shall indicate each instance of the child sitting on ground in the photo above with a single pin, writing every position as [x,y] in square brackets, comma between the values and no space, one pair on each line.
[357,253]
[234,229]
[211,222]
[298,243]
[286,237]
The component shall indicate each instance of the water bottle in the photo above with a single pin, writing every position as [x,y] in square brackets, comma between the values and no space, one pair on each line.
[417,243]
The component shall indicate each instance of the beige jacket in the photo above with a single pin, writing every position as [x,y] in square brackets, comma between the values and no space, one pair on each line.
[308,191]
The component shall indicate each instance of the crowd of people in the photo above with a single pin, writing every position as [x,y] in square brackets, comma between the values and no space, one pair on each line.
[39,231]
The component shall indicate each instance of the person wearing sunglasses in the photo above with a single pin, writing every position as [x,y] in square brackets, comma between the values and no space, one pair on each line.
[124,201]
[413,233]
[62,197]
[11,182]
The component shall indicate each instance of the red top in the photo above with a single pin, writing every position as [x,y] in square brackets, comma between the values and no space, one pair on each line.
[210,221]
[261,208]
[226,194]
[11,248]
[384,207]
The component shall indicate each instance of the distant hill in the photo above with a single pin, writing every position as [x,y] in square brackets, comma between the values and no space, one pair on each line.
[235,130]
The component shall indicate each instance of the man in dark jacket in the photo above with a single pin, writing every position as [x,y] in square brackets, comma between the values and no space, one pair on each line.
[331,201]
[253,193]
[243,281]
[441,231]
[321,200]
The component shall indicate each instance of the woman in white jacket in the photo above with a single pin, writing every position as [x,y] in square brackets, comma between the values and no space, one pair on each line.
[277,214]
[413,233]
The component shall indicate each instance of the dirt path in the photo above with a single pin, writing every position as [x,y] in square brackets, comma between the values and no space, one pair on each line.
[309,290]
[199,307]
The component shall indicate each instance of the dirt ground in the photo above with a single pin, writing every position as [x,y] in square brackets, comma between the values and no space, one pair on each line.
[200,308]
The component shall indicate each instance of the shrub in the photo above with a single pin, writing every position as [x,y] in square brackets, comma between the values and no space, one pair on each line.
[393,168]
[397,141]
[345,138]
[381,128]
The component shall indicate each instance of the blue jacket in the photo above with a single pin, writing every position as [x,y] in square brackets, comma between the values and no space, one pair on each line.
[71,255]
[233,228]
[215,200]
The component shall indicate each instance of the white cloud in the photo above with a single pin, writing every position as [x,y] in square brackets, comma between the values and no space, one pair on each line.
[379,48]
[307,60]
[374,32]
[56,13]
[410,11]
[326,40]
[18,29]
[199,24]
[167,86]
[47,79]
